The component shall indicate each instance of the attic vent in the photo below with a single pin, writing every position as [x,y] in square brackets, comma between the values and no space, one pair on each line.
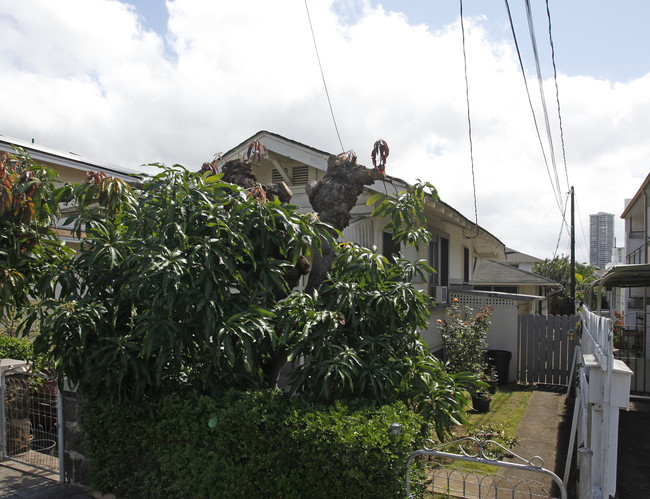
[299,175]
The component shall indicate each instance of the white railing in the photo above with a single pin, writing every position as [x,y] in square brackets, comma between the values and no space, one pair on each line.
[603,388]
[597,337]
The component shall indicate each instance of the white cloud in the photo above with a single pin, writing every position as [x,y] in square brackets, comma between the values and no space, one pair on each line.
[84,75]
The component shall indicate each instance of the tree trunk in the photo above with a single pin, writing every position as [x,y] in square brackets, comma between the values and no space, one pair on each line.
[240,172]
[333,198]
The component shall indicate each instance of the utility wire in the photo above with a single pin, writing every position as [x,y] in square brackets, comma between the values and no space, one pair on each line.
[557,93]
[562,226]
[582,228]
[531,29]
[469,118]
[329,101]
[532,109]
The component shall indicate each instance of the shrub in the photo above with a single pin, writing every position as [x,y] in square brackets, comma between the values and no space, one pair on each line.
[261,444]
[463,336]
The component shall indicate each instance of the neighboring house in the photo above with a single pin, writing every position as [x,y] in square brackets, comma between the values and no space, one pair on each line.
[71,168]
[637,226]
[520,260]
[636,299]
[530,289]
[458,247]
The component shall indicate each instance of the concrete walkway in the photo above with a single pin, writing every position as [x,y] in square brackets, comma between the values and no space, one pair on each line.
[544,432]
[18,481]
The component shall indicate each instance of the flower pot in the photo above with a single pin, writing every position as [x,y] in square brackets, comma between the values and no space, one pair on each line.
[481,402]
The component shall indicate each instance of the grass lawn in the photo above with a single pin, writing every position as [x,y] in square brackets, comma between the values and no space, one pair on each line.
[507,408]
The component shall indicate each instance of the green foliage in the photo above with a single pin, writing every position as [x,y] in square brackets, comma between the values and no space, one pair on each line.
[463,336]
[361,339]
[558,269]
[363,328]
[180,282]
[21,349]
[261,444]
[187,280]
[405,213]
[29,206]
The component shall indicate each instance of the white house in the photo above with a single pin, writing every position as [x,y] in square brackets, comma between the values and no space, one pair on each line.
[456,251]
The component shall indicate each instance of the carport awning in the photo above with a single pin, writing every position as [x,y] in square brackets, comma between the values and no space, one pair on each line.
[625,276]
[621,276]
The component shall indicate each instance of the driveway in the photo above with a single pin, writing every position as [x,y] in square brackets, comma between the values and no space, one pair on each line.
[22,482]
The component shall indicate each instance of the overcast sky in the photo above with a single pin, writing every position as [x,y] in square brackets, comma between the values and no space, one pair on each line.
[135,82]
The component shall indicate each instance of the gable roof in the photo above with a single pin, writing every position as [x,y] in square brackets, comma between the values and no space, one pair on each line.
[491,272]
[636,197]
[515,257]
[40,153]
[317,158]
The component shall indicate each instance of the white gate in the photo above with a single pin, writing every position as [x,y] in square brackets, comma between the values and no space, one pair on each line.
[439,472]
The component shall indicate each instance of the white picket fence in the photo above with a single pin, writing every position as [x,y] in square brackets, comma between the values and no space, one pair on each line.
[603,389]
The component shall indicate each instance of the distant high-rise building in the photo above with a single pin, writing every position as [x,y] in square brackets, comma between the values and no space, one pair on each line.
[601,238]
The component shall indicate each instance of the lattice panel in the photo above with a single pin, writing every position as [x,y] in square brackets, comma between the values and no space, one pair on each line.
[475,301]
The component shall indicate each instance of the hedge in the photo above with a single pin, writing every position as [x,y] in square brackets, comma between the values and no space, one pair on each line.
[247,444]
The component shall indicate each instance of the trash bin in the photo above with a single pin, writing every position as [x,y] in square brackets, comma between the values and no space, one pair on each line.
[500,360]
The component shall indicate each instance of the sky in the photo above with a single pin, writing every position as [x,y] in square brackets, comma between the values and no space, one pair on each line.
[135,82]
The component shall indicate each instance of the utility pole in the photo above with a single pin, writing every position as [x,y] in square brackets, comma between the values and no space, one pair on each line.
[573,252]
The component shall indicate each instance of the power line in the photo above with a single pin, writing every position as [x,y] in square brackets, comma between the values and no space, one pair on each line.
[582,228]
[531,29]
[329,101]
[532,109]
[557,92]
[562,226]
[469,118]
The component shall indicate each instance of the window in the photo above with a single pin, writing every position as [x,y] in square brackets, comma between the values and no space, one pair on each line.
[465,264]
[443,271]
[391,248]
[438,258]
[432,260]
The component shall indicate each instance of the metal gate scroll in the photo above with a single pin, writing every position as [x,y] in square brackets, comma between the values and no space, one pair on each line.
[440,473]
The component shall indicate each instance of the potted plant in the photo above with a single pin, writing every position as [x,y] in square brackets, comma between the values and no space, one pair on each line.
[463,336]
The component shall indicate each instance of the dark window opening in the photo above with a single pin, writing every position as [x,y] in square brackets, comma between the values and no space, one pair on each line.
[443,271]
[390,246]
[432,260]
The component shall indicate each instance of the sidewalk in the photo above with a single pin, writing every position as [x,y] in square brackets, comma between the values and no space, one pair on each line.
[544,432]
[18,481]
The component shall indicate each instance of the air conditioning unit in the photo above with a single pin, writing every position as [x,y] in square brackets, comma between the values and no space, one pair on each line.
[439,294]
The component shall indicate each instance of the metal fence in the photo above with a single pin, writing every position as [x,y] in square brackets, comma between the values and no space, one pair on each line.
[436,471]
[30,431]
